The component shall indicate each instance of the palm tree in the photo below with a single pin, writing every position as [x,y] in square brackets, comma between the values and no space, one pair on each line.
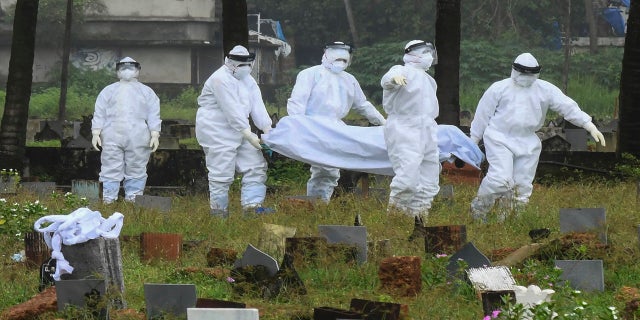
[13,129]
[448,68]
[629,129]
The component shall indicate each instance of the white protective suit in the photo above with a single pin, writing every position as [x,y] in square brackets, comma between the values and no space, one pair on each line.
[409,98]
[327,90]
[126,123]
[229,97]
[507,118]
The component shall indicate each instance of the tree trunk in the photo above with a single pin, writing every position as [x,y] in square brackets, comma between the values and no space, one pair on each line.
[629,129]
[64,74]
[447,71]
[352,23]
[235,27]
[593,28]
[567,47]
[13,129]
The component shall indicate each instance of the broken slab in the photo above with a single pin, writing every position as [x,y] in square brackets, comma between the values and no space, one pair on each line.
[583,220]
[252,256]
[401,275]
[444,239]
[467,257]
[162,299]
[350,235]
[162,204]
[585,275]
[222,314]
[491,279]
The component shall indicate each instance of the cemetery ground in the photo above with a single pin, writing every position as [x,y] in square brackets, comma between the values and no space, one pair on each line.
[334,282]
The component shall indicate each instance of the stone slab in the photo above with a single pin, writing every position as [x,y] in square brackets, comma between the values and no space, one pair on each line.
[444,239]
[162,204]
[584,220]
[491,279]
[252,256]
[585,275]
[352,235]
[162,299]
[84,294]
[100,257]
[89,189]
[472,258]
[222,314]
[42,189]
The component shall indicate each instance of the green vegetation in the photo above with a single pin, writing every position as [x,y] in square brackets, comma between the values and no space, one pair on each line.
[335,283]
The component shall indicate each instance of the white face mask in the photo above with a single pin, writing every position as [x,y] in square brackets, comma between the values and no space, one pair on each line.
[337,66]
[523,80]
[421,61]
[127,74]
[241,72]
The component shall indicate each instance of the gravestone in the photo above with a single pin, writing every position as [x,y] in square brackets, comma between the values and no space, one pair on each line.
[87,294]
[272,239]
[216,303]
[585,275]
[222,314]
[163,246]
[351,235]
[168,299]
[254,257]
[467,257]
[577,138]
[379,310]
[89,189]
[444,239]
[491,279]
[9,184]
[168,143]
[42,189]
[446,194]
[329,313]
[100,257]
[584,220]
[162,204]
[495,300]
[36,249]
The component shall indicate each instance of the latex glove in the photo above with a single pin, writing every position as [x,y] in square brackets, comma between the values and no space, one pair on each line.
[266,130]
[95,139]
[383,121]
[154,143]
[595,133]
[399,80]
[252,138]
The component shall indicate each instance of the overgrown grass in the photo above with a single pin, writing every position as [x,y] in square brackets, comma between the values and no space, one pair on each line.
[334,284]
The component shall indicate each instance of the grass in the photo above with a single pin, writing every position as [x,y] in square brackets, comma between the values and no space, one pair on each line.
[335,284]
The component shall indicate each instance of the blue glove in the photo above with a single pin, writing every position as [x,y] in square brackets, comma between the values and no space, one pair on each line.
[267,150]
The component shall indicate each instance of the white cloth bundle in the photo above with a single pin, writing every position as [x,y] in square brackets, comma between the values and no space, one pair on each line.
[326,142]
[79,226]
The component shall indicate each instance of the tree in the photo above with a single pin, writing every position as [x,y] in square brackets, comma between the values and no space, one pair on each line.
[235,27]
[629,128]
[13,129]
[447,71]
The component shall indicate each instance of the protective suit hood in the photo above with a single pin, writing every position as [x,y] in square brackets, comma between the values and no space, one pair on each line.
[420,54]
[127,69]
[240,62]
[337,56]
[525,70]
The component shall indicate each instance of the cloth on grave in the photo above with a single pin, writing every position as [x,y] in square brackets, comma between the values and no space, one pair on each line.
[326,142]
[79,226]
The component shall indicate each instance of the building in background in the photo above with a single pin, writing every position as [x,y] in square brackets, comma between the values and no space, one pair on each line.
[178,43]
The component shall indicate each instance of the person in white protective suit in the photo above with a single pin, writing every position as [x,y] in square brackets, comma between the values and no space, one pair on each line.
[229,97]
[409,98]
[507,117]
[126,124]
[326,90]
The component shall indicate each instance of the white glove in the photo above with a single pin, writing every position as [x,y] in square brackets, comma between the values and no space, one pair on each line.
[383,121]
[252,138]
[597,135]
[399,80]
[266,130]
[95,139]
[154,143]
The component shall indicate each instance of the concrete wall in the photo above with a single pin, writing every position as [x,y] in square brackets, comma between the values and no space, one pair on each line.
[161,8]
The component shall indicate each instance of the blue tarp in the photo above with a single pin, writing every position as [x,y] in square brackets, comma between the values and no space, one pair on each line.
[614,17]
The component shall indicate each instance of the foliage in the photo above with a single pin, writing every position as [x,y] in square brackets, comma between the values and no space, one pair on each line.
[629,166]
[571,306]
[17,218]
[52,16]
